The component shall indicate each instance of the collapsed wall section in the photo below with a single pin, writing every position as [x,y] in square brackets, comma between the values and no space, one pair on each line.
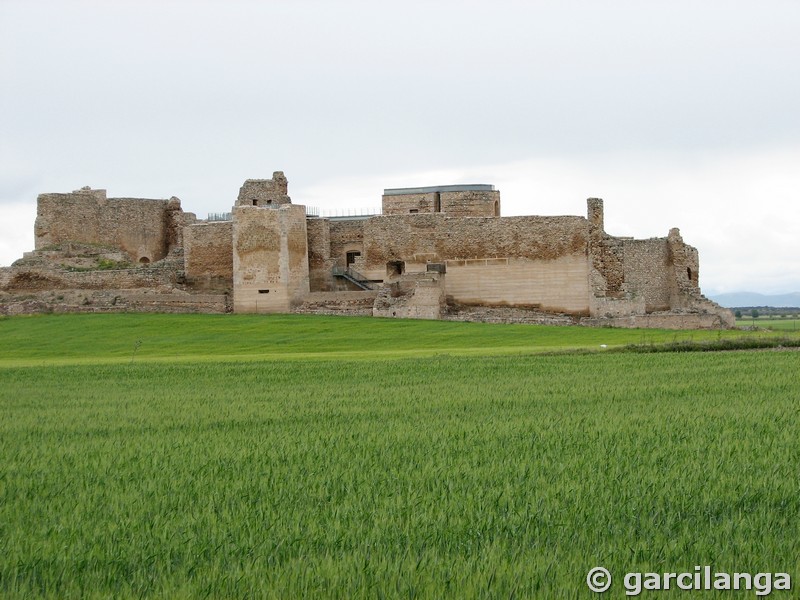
[147,230]
[646,283]
[265,192]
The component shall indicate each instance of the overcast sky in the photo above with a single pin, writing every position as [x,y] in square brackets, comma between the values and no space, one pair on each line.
[678,114]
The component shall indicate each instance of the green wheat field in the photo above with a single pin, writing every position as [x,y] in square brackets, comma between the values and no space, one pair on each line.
[158,456]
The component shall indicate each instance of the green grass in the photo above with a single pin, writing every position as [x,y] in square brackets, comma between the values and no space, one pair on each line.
[465,466]
[774,324]
[92,338]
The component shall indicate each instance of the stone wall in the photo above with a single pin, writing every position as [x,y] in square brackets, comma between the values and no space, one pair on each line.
[647,272]
[329,241]
[145,229]
[337,303]
[511,260]
[208,254]
[461,203]
[270,258]
[273,256]
[346,236]
[405,204]
[655,278]
[319,255]
[437,237]
[666,320]
[685,271]
[107,301]
[471,204]
[265,192]
[43,278]
[558,285]
[413,296]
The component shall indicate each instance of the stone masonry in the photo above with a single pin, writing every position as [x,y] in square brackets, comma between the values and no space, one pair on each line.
[434,252]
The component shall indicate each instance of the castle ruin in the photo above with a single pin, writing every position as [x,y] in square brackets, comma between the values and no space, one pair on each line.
[441,252]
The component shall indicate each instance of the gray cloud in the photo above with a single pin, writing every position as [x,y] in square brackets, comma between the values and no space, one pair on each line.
[190,98]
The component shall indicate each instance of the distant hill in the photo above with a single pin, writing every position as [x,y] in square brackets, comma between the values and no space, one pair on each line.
[739,299]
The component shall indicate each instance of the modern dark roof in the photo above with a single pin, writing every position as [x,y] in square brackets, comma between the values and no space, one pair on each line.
[464,187]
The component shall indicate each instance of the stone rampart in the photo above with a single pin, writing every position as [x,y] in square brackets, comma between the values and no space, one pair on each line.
[44,278]
[346,236]
[647,272]
[556,285]
[662,321]
[510,260]
[108,301]
[437,238]
[337,303]
[208,254]
[145,229]
[270,258]
[273,257]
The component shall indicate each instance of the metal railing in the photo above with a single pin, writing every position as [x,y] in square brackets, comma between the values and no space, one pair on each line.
[353,276]
[312,211]
[351,212]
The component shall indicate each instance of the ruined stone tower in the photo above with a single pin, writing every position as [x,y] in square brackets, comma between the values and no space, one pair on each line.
[270,248]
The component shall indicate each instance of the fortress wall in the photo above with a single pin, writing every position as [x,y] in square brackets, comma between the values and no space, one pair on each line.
[403,204]
[270,258]
[557,285]
[319,249]
[140,227]
[319,243]
[346,236]
[471,203]
[293,230]
[663,321]
[42,278]
[512,260]
[114,301]
[208,251]
[648,271]
[685,272]
[437,237]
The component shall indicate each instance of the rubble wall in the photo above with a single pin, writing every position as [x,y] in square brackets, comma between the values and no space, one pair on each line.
[648,272]
[208,254]
[145,229]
